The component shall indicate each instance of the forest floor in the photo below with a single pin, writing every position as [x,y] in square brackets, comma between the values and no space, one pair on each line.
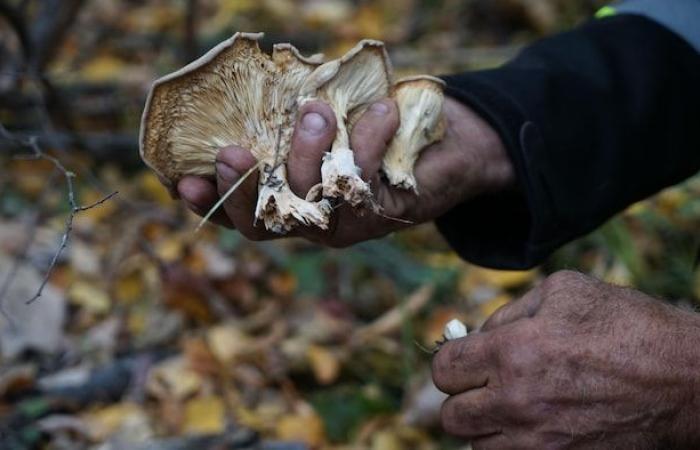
[141,334]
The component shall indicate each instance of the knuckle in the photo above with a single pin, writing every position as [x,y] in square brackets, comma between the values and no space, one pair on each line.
[517,400]
[558,281]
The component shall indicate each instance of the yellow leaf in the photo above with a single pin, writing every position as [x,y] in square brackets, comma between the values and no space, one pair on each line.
[152,187]
[619,274]
[173,378]
[103,68]
[129,288]
[204,415]
[306,427]
[89,296]
[489,307]
[325,13]
[370,21]
[282,284]
[504,279]
[324,364]
[105,421]
[170,249]
[227,342]
[386,440]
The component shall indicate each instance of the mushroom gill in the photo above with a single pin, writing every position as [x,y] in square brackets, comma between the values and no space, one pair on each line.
[233,95]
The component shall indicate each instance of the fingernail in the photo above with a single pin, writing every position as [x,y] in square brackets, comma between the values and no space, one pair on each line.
[379,108]
[226,172]
[313,123]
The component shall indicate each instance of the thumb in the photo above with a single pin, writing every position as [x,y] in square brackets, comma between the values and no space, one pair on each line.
[313,136]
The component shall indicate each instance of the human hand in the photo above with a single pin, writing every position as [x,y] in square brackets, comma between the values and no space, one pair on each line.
[470,160]
[578,364]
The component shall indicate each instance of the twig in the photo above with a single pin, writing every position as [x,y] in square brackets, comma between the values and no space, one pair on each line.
[224,197]
[38,153]
[391,320]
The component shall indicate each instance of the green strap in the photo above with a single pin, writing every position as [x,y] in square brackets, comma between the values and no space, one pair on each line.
[605,11]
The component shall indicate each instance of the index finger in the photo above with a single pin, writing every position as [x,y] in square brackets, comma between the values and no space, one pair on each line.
[463,364]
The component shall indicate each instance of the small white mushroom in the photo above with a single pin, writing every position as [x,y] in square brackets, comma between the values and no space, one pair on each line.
[233,95]
[454,329]
[419,100]
[349,85]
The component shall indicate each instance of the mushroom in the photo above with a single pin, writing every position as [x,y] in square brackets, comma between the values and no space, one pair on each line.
[419,100]
[233,95]
[349,85]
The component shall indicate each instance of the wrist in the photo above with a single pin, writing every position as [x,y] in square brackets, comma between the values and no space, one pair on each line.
[487,162]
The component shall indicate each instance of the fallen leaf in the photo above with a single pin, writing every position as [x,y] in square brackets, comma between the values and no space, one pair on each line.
[386,440]
[304,427]
[37,326]
[204,415]
[490,306]
[103,422]
[89,296]
[228,342]
[324,364]
[173,378]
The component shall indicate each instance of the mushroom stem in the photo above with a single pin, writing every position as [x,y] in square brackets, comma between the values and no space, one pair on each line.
[280,209]
[340,175]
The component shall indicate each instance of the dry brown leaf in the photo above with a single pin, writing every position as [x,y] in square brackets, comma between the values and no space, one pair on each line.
[324,363]
[304,427]
[173,378]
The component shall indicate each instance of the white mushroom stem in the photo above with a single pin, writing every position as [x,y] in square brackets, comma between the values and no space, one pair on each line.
[341,177]
[419,100]
[454,329]
[280,209]
[361,77]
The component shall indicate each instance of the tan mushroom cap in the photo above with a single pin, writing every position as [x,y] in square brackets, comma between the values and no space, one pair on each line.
[420,100]
[233,95]
[349,85]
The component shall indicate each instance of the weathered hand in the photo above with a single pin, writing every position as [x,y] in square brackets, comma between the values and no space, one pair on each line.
[578,364]
[468,161]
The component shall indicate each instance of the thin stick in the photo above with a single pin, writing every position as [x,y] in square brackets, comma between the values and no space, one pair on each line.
[224,197]
[37,153]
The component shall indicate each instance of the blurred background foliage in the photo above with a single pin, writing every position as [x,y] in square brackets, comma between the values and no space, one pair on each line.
[147,336]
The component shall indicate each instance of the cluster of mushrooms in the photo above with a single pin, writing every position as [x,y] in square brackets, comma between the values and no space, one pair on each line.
[238,95]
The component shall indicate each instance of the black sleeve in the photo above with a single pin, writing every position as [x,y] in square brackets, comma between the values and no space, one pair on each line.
[593,120]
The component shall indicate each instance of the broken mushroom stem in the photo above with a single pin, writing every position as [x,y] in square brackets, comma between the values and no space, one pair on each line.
[280,209]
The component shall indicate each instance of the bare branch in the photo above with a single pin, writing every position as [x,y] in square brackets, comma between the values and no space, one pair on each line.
[37,153]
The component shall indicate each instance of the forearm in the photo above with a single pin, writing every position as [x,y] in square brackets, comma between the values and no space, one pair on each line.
[593,120]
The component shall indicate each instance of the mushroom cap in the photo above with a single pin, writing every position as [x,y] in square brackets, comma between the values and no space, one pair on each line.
[420,81]
[360,76]
[420,101]
[233,95]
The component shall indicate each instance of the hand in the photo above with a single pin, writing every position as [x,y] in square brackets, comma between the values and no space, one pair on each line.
[468,161]
[578,364]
